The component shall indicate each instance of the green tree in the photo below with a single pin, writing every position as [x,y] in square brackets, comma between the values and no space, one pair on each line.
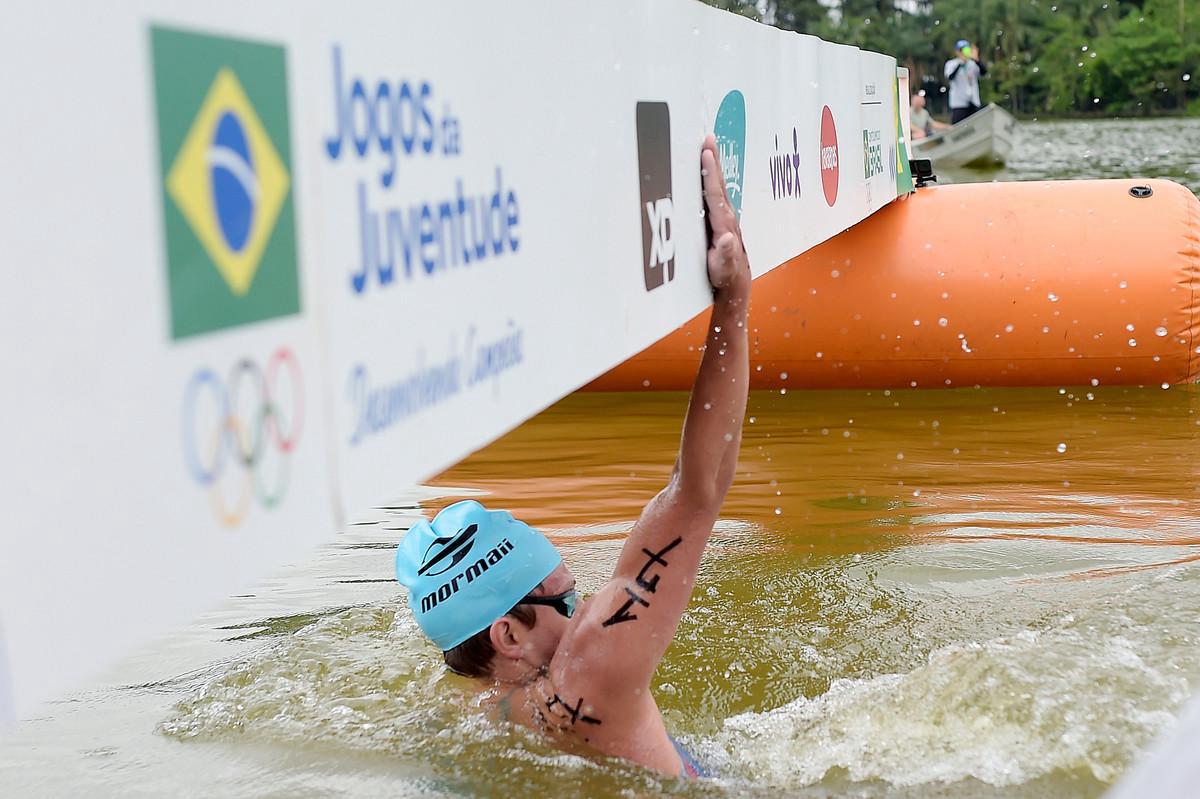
[1044,56]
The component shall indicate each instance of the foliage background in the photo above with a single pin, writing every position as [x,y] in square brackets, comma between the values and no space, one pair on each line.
[1055,57]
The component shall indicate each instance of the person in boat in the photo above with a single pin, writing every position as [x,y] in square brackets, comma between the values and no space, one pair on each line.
[963,72]
[922,123]
[496,597]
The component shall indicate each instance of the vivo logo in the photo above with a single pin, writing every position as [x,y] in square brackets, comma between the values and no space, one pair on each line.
[785,169]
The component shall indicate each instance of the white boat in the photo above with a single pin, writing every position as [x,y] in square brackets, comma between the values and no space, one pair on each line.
[984,138]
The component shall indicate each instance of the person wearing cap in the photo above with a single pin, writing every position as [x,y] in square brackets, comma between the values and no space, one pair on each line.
[963,72]
[495,596]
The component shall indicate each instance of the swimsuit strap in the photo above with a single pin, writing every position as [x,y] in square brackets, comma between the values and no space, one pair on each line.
[691,766]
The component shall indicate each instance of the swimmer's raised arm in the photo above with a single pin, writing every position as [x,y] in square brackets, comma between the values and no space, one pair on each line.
[629,624]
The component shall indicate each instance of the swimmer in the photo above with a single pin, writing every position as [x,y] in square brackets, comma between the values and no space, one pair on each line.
[495,596]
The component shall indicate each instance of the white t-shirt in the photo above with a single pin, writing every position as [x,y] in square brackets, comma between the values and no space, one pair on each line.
[964,83]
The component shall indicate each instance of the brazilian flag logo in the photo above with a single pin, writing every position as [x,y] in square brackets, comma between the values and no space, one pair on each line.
[225,156]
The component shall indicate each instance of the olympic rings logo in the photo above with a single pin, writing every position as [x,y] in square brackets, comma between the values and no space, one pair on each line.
[242,435]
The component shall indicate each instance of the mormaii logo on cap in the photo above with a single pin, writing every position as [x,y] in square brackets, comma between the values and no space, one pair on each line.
[657,206]
[453,549]
[829,157]
[456,550]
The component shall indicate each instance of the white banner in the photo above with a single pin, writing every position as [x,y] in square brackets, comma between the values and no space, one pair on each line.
[268,263]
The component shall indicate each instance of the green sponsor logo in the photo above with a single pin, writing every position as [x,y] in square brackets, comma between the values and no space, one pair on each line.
[904,178]
[225,159]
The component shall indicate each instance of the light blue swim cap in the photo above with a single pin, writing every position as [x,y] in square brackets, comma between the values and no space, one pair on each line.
[468,567]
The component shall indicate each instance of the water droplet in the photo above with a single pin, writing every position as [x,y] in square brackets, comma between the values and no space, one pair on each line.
[834,273]
[708,406]
[1008,328]
[1129,327]
[1095,381]
[1165,386]
[1061,448]
[943,321]
[1160,331]
[899,456]
[779,511]
[1122,285]
[783,375]
[753,419]
[916,323]
[716,328]
[1052,297]
[1133,342]
[728,437]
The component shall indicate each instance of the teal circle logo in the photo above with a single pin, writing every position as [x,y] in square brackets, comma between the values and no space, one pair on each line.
[730,131]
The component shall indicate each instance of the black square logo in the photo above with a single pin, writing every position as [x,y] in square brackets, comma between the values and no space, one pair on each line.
[654,167]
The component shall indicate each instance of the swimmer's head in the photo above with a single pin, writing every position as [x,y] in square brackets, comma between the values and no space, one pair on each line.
[470,573]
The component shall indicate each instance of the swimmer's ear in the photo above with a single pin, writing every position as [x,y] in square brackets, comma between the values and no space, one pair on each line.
[505,637]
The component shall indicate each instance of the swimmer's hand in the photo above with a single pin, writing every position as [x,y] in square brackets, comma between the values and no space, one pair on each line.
[727,262]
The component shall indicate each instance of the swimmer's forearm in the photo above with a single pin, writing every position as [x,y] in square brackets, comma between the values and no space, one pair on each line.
[712,430]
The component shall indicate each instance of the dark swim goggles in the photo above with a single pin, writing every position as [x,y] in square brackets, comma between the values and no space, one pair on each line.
[564,603]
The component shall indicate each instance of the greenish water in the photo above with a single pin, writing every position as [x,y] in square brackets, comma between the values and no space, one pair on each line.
[909,594]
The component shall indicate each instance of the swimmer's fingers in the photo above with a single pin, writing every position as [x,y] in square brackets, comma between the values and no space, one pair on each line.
[720,211]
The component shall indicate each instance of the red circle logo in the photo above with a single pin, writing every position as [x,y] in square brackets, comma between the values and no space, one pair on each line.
[829,157]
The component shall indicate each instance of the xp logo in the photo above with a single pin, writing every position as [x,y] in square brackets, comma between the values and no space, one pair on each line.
[730,131]
[453,549]
[243,426]
[224,152]
[657,206]
[829,157]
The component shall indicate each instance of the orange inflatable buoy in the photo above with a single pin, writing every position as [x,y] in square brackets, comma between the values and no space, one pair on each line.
[1083,282]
